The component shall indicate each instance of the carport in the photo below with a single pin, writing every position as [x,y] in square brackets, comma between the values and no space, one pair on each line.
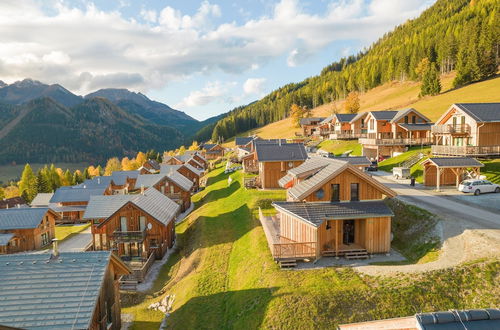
[449,170]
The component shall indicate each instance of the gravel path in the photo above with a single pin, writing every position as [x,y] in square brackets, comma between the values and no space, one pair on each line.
[468,232]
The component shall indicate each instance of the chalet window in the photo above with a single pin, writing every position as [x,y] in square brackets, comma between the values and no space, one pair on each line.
[95,221]
[45,238]
[463,120]
[354,191]
[372,123]
[104,242]
[123,224]
[362,122]
[153,243]
[335,192]
[406,119]
[97,241]
[414,119]
[171,189]
[163,189]
[142,222]
[320,193]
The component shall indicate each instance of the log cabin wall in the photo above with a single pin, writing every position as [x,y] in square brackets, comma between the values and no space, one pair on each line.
[191,176]
[293,229]
[366,190]
[271,172]
[164,186]
[159,235]
[108,309]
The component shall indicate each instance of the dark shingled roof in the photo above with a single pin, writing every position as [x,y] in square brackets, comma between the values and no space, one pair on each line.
[475,319]
[345,117]
[481,112]
[208,146]
[384,115]
[40,292]
[416,127]
[316,213]
[269,141]
[154,164]
[455,162]
[241,141]
[21,218]
[283,152]
[308,121]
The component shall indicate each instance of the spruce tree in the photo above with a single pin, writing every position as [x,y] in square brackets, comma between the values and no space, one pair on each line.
[42,182]
[28,184]
[431,85]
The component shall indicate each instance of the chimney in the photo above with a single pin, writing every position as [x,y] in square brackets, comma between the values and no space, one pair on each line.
[279,142]
[98,180]
[55,248]
[18,206]
[142,189]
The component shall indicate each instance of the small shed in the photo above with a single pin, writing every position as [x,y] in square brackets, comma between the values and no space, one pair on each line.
[439,171]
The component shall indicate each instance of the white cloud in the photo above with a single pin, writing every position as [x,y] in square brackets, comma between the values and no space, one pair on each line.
[213,92]
[254,86]
[88,48]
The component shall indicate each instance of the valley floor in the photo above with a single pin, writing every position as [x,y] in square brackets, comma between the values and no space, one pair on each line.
[223,276]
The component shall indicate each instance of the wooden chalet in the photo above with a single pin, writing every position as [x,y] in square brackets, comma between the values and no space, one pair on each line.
[332,209]
[8,203]
[192,173]
[69,290]
[249,161]
[26,229]
[212,151]
[388,133]
[150,167]
[276,159]
[172,184]
[341,128]
[172,160]
[443,171]
[468,129]
[196,155]
[309,125]
[138,228]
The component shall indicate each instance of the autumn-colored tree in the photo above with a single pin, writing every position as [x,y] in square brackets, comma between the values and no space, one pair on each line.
[140,158]
[182,150]
[296,113]
[99,170]
[335,109]
[112,165]
[422,67]
[307,111]
[12,191]
[194,146]
[351,104]
[67,178]
[28,184]
[2,193]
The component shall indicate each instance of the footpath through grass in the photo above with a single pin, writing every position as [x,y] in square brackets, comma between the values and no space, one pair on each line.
[223,277]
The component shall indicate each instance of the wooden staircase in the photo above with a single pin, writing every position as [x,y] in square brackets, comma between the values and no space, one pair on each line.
[287,263]
[356,254]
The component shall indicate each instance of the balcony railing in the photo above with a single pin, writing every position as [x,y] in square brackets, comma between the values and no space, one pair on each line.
[129,236]
[450,129]
[294,250]
[466,150]
[396,142]
[344,136]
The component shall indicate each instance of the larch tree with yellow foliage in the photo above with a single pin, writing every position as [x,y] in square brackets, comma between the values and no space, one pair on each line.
[351,104]
[112,165]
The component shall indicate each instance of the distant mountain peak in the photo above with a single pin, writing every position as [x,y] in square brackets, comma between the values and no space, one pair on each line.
[2,84]
[28,82]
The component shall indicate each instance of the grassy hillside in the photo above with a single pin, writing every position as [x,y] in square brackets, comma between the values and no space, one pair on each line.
[223,277]
[397,95]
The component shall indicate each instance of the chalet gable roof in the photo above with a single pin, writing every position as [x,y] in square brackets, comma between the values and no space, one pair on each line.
[149,180]
[280,152]
[454,162]
[242,141]
[310,120]
[22,218]
[42,199]
[153,202]
[40,291]
[401,113]
[318,179]
[316,213]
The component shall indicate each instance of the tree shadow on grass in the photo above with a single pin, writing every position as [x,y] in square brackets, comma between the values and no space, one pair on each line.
[214,179]
[224,310]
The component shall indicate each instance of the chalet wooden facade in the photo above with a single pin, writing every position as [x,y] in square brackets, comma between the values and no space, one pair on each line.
[332,209]
[341,128]
[173,185]
[387,133]
[447,171]
[138,228]
[274,160]
[192,173]
[69,290]
[26,229]
[310,125]
[212,151]
[468,129]
[150,167]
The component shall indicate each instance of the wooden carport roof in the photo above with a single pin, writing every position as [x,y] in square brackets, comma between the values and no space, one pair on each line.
[457,165]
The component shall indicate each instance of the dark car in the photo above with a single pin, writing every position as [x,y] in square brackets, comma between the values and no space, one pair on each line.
[373,166]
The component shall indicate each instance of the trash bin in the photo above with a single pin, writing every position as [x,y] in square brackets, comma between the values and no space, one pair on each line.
[412,181]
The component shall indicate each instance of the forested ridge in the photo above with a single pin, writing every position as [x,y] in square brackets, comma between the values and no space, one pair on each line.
[452,35]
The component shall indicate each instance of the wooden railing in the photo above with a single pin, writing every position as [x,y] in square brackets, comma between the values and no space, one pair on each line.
[389,142]
[173,195]
[451,129]
[466,150]
[129,236]
[345,136]
[294,250]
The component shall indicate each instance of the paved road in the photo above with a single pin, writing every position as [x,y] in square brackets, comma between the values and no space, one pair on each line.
[472,216]
[76,243]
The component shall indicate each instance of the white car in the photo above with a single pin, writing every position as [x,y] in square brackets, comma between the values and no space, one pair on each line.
[478,187]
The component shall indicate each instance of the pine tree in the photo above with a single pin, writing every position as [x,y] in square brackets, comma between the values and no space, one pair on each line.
[28,184]
[42,182]
[431,85]
[98,171]
[86,174]
[68,178]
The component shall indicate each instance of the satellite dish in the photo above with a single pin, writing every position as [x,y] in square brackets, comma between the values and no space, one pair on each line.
[150,226]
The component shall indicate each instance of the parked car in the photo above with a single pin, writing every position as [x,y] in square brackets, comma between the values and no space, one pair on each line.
[478,187]
[373,166]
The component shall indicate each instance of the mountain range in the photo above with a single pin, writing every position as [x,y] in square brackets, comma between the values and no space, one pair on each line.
[47,123]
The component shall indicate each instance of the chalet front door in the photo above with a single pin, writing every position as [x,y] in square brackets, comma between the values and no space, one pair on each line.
[348,230]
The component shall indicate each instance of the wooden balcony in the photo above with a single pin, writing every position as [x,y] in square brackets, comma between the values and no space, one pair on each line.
[294,250]
[450,129]
[129,236]
[466,151]
[396,142]
[346,136]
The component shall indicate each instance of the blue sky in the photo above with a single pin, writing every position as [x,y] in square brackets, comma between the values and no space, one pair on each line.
[201,57]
